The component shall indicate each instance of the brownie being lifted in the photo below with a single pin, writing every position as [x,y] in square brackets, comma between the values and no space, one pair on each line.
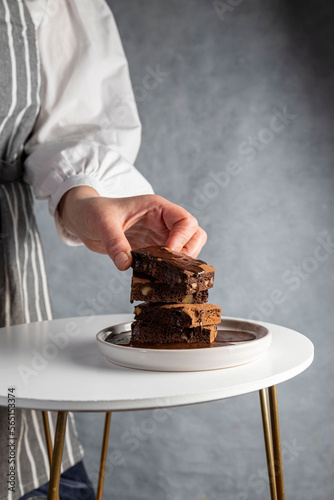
[172,268]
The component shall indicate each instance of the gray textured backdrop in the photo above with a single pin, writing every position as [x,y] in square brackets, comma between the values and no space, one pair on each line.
[239,130]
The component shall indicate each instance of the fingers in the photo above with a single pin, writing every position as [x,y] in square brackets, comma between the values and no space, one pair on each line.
[117,247]
[113,240]
[183,227]
[103,230]
[196,243]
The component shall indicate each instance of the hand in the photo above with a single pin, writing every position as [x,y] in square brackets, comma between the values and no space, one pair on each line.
[114,226]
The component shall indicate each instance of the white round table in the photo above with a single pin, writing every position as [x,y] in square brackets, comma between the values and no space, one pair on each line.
[55,365]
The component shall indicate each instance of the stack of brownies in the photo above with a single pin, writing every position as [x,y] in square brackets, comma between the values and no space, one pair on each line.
[174,288]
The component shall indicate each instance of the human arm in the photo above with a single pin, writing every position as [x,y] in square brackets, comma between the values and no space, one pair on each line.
[86,138]
[88,130]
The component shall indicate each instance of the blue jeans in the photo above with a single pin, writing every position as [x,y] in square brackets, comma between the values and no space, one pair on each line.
[74,485]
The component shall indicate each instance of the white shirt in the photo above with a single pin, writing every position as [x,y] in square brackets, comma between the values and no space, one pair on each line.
[88,130]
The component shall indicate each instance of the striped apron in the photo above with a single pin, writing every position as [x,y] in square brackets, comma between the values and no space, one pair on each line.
[23,282]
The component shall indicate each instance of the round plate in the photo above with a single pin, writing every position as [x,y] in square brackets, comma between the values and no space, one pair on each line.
[230,350]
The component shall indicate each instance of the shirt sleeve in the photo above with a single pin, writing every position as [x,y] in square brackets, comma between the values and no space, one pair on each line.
[88,130]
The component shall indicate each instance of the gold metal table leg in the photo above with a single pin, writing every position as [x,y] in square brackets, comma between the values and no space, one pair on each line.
[268,443]
[57,456]
[47,434]
[103,455]
[276,442]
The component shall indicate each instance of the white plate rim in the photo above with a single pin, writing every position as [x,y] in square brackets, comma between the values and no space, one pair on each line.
[235,345]
[236,349]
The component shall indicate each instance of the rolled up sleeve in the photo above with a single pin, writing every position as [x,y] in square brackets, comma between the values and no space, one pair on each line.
[88,129]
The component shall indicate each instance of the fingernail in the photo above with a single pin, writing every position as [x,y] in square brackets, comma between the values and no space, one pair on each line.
[122,259]
[177,247]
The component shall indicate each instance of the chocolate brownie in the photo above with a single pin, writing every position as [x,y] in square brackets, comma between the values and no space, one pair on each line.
[174,288]
[178,315]
[153,333]
[172,268]
[144,289]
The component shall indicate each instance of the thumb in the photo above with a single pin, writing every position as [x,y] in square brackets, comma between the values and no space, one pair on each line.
[117,247]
